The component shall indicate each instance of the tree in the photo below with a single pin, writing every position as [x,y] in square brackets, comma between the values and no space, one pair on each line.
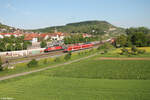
[139,39]
[18,46]
[121,41]
[10,47]
[43,44]
[2,46]
[138,36]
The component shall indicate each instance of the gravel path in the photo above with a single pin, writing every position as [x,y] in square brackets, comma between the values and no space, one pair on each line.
[38,70]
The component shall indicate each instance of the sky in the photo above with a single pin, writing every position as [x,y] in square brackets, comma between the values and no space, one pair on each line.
[33,14]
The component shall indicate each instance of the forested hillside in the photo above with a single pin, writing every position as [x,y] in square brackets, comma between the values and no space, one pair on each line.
[6,28]
[91,27]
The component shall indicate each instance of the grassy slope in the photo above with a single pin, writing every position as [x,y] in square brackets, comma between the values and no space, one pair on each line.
[77,82]
[41,87]
[108,69]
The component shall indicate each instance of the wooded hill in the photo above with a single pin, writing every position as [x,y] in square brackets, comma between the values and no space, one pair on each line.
[6,28]
[91,27]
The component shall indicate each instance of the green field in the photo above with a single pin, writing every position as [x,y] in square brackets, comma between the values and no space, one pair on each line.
[90,79]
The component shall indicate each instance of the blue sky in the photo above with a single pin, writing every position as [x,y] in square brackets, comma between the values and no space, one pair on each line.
[32,14]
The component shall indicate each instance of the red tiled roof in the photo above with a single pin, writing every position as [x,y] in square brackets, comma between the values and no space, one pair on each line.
[31,36]
[9,34]
[43,35]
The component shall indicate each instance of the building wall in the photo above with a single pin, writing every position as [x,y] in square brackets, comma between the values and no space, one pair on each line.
[22,52]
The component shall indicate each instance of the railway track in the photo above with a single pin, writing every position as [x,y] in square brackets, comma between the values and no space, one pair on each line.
[41,56]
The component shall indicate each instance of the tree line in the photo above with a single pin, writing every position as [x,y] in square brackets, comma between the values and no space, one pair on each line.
[139,37]
[13,43]
[78,38]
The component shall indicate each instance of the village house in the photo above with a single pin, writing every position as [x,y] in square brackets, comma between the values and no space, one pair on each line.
[44,36]
[32,37]
[57,36]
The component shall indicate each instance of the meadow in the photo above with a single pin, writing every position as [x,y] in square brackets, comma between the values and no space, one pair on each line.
[90,79]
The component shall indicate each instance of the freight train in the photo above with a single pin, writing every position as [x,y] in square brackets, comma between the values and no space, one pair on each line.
[69,48]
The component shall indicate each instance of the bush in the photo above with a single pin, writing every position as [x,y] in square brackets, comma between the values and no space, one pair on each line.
[134,49]
[79,53]
[68,56]
[91,50]
[32,63]
[141,51]
[124,51]
[57,59]
[45,61]
[105,46]
[1,68]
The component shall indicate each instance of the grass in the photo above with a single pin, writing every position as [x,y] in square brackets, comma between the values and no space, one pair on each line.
[41,87]
[118,50]
[89,79]
[116,53]
[22,67]
[103,69]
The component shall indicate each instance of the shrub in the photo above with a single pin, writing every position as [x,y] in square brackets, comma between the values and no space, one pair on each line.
[91,50]
[1,68]
[57,59]
[105,46]
[141,51]
[105,51]
[45,61]
[134,49]
[79,53]
[32,63]
[124,51]
[68,56]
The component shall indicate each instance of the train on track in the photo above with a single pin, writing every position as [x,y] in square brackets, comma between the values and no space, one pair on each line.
[69,48]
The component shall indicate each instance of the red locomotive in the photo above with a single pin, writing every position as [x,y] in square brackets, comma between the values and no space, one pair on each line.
[78,47]
[53,48]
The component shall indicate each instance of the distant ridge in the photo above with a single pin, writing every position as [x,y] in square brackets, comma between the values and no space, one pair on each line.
[92,27]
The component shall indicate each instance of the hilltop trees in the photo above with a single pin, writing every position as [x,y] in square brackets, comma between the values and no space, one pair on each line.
[91,27]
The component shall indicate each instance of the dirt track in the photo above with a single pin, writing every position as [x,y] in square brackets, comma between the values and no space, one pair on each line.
[117,58]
